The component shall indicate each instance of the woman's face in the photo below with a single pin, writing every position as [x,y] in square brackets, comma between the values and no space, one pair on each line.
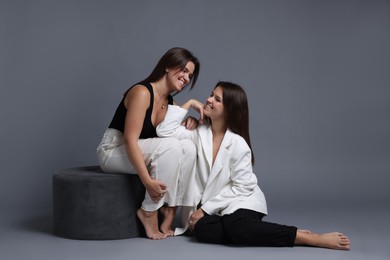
[178,78]
[214,105]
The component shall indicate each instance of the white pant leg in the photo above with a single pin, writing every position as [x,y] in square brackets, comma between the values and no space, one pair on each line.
[185,192]
[169,160]
[112,155]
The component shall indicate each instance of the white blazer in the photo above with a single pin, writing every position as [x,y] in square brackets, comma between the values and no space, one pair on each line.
[227,185]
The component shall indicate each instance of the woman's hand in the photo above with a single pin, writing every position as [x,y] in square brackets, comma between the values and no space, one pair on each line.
[197,106]
[190,123]
[198,214]
[156,189]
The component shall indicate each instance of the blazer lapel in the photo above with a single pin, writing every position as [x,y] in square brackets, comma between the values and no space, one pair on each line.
[206,139]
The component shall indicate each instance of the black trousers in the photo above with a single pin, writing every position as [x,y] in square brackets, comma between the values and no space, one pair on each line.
[243,227]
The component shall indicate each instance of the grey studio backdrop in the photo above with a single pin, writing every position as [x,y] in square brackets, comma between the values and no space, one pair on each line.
[316,74]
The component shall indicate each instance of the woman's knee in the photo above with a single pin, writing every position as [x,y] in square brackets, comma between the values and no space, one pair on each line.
[171,148]
[178,149]
[209,229]
[188,149]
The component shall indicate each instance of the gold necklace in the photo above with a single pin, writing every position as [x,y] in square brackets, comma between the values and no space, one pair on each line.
[163,105]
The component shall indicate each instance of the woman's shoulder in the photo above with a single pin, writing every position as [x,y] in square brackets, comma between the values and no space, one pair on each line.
[239,141]
[204,129]
[139,90]
[137,93]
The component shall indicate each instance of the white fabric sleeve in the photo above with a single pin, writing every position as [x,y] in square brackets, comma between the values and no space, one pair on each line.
[171,125]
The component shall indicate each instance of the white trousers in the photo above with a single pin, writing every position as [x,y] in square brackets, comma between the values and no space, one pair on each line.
[169,160]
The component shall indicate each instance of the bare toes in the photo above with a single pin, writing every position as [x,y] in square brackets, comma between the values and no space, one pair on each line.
[150,223]
[169,233]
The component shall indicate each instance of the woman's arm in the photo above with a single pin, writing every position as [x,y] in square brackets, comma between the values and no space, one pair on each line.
[172,126]
[197,106]
[137,102]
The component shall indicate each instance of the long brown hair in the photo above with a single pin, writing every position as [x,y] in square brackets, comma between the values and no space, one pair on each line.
[236,110]
[175,58]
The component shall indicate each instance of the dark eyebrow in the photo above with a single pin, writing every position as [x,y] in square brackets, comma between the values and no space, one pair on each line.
[220,98]
[187,70]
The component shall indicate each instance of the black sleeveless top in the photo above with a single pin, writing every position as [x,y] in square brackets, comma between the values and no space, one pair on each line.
[148,130]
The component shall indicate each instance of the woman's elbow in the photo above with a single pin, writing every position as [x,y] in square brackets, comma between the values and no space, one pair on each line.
[163,133]
[160,131]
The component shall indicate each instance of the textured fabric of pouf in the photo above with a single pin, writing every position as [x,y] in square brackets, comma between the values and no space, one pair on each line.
[90,204]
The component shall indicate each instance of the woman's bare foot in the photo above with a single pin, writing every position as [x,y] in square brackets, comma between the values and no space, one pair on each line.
[150,222]
[333,240]
[169,215]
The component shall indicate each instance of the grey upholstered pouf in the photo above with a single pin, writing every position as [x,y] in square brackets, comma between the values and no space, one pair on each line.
[90,204]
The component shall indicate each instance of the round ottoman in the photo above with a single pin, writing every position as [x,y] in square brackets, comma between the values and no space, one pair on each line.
[90,204]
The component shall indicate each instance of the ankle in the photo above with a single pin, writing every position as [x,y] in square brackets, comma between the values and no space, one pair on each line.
[147,214]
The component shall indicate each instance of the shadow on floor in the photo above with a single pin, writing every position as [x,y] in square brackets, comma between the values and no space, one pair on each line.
[40,224]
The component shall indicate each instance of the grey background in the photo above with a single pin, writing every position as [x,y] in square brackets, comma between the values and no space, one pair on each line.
[316,74]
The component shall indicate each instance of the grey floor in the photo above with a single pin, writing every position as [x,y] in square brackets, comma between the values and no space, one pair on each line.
[28,236]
